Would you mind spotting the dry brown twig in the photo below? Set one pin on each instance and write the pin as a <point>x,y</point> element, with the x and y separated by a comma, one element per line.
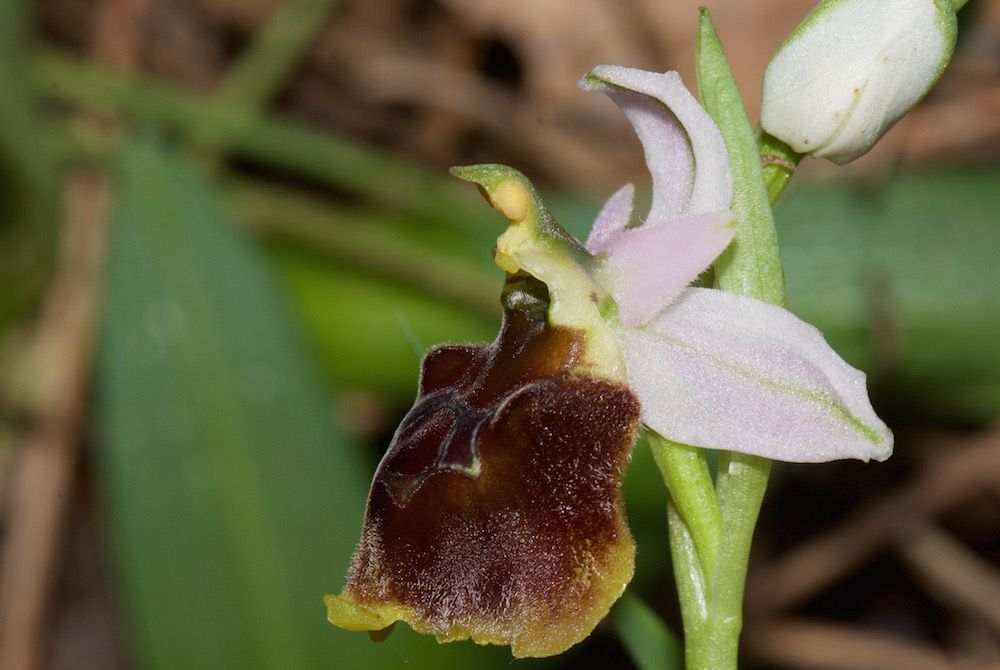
<point>815,645</point>
<point>818,563</point>
<point>566,158</point>
<point>951,572</point>
<point>42,482</point>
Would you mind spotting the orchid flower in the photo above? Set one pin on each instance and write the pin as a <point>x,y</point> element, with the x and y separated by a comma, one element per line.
<point>496,513</point>
<point>714,369</point>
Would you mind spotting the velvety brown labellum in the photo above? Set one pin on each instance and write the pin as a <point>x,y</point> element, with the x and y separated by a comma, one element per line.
<point>496,513</point>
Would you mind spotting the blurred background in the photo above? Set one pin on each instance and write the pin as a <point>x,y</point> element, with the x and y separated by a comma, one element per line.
<point>227,236</point>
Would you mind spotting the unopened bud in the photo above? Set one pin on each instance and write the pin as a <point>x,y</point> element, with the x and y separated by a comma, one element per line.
<point>852,69</point>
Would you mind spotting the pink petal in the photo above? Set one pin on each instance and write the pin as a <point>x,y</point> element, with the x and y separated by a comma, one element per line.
<point>612,219</point>
<point>724,371</point>
<point>668,154</point>
<point>648,267</point>
<point>655,103</point>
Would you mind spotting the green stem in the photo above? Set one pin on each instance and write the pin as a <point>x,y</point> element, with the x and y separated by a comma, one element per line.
<point>741,483</point>
<point>713,641</point>
<point>778,163</point>
<point>275,51</point>
<point>711,529</point>
<point>691,579</point>
<point>692,493</point>
<point>711,598</point>
<point>712,638</point>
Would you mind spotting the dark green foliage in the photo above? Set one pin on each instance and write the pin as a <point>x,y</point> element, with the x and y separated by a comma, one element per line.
<point>233,502</point>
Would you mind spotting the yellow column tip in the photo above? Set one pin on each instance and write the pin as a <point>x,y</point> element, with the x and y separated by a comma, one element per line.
<point>512,199</point>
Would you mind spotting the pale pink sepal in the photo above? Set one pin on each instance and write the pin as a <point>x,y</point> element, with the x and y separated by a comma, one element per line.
<point>612,219</point>
<point>666,148</point>
<point>647,267</point>
<point>728,372</point>
<point>655,103</point>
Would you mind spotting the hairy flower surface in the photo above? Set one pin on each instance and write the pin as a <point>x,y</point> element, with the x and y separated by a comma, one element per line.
<point>496,514</point>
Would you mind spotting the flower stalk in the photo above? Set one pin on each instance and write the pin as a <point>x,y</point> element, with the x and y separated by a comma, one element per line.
<point>711,525</point>
<point>778,163</point>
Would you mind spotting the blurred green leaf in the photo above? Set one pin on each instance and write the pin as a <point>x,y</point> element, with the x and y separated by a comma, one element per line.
<point>650,643</point>
<point>646,503</point>
<point>275,50</point>
<point>904,281</point>
<point>233,503</point>
<point>28,194</point>
<point>228,127</point>
<point>391,325</point>
<point>379,246</point>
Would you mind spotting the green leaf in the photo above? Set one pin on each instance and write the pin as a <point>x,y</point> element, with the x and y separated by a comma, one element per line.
<point>399,322</point>
<point>275,50</point>
<point>650,643</point>
<point>751,265</point>
<point>28,193</point>
<point>379,246</point>
<point>227,127</point>
<point>903,281</point>
<point>233,502</point>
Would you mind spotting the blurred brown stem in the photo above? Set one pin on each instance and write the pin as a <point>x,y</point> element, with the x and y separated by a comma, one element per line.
<point>953,573</point>
<point>815,564</point>
<point>43,481</point>
<point>817,645</point>
<point>43,474</point>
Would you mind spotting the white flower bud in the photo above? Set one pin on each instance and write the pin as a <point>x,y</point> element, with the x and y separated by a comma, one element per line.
<point>852,69</point>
